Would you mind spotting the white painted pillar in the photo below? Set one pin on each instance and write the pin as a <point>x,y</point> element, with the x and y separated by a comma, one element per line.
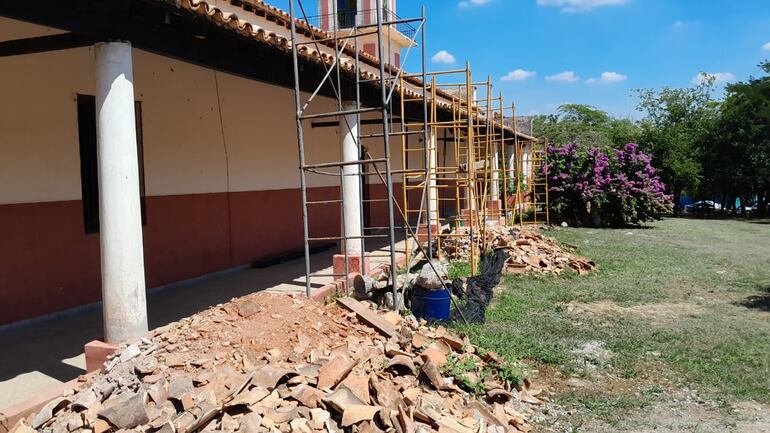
<point>433,195</point>
<point>511,163</point>
<point>526,165</point>
<point>120,220</point>
<point>494,190</point>
<point>351,200</point>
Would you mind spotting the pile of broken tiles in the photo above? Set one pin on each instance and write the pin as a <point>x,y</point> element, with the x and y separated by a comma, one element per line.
<point>529,251</point>
<point>385,378</point>
<point>532,252</point>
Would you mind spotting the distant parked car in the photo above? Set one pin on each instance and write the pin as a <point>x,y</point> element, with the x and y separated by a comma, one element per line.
<point>703,206</point>
<point>750,210</point>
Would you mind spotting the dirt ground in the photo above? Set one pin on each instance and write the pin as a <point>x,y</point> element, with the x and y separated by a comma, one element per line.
<point>658,314</point>
<point>664,403</point>
<point>655,403</point>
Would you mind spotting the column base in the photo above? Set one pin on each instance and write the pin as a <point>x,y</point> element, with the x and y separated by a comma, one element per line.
<point>422,231</point>
<point>96,353</point>
<point>494,208</point>
<point>356,264</point>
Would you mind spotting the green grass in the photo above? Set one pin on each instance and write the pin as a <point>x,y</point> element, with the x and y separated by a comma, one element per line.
<point>458,269</point>
<point>709,266</point>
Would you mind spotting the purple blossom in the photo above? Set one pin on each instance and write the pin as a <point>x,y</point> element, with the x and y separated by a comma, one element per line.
<point>620,183</point>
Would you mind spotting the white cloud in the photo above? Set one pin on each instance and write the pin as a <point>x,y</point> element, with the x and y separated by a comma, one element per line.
<point>719,77</point>
<point>608,78</point>
<point>766,47</point>
<point>574,6</point>
<point>443,57</point>
<point>518,75</point>
<point>678,24</point>
<point>469,3</point>
<point>566,76</point>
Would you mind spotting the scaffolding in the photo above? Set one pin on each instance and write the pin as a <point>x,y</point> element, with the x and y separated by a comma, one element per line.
<point>336,49</point>
<point>532,201</point>
<point>464,187</point>
<point>525,184</point>
<point>451,132</point>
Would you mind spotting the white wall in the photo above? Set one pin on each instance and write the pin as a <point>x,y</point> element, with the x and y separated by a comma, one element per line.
<point>187,145</point>
<point>189,148</point>
<point>39,154</point>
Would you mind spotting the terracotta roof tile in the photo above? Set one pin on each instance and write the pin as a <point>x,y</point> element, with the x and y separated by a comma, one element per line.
<point>262,11</point>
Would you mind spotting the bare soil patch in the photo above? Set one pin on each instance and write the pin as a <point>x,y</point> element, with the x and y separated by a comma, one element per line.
<point>657,401</point>
<point>657,313</point>
<point>681,413</point>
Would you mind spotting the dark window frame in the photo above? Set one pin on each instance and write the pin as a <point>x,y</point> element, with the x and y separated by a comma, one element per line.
<point>89,168</point>
<point>347,10</point>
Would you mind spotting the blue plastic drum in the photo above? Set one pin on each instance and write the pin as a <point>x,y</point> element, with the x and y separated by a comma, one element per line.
<point>431,305</point>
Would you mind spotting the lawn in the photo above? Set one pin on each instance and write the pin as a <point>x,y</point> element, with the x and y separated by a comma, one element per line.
<point>680,303</point>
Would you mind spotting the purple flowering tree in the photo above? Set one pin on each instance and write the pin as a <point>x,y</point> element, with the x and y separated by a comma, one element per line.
<point>593,186</point>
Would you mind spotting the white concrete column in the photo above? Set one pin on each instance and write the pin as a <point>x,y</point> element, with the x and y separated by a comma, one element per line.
<point>526,163</point>
<point>351,200</point>
<point>433,204</point>
<point>120,221</point>
<point>494,190</point>
<point>511,155</point>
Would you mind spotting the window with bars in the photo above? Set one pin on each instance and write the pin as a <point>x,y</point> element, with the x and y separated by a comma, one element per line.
<point>89,168</point>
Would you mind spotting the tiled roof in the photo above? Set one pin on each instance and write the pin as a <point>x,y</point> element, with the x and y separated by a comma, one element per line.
<point>369,69</point>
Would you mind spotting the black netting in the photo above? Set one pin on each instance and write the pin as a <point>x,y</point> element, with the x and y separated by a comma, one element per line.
<point>479,289</point>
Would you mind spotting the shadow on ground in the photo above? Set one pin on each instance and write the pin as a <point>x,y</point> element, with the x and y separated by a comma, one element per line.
<point>757,302</point>
<point>43,345</point>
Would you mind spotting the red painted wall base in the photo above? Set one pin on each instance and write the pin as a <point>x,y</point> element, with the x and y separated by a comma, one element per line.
<point>48,263</point>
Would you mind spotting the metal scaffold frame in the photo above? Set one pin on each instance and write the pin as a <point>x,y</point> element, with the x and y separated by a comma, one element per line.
<point>482,186</point>
<point>465,182</point>
<point>525,184</point>
<point>532,204</point>
<point>382,168</point>
<point>474,183</point>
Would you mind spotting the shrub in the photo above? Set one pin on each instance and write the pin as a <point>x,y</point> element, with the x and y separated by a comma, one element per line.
<point>599,186</point>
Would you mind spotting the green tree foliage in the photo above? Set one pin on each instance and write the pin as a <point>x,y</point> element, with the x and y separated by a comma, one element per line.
<point>596,175</point>
<point>587,125</point>
<point>736,155</point>
<point>699,146</point>
<point>677,123</point>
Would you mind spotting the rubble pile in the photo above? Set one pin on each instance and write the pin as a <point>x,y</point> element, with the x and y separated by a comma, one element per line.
<point>532,252</point>
<point>529,251</point>
<point>270,363</point>
<point>458,247</point>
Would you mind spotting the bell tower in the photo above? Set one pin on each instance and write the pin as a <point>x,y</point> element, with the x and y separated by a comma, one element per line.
<point>345,15</point>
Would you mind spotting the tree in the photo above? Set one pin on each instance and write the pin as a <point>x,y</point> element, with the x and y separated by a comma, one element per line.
<point>738,158</point>
<point>678,122</point>
<point>585,124</point>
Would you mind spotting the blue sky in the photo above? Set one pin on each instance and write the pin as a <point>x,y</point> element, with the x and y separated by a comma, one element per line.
<point>592,51</point>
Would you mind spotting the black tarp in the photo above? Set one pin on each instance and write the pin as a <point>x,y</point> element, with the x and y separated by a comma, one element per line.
<point>478,290</point>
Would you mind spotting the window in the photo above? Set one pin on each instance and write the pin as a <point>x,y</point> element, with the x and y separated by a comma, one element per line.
<point>370,49</point>
<point>346,13</point>
<point>89,169</point>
